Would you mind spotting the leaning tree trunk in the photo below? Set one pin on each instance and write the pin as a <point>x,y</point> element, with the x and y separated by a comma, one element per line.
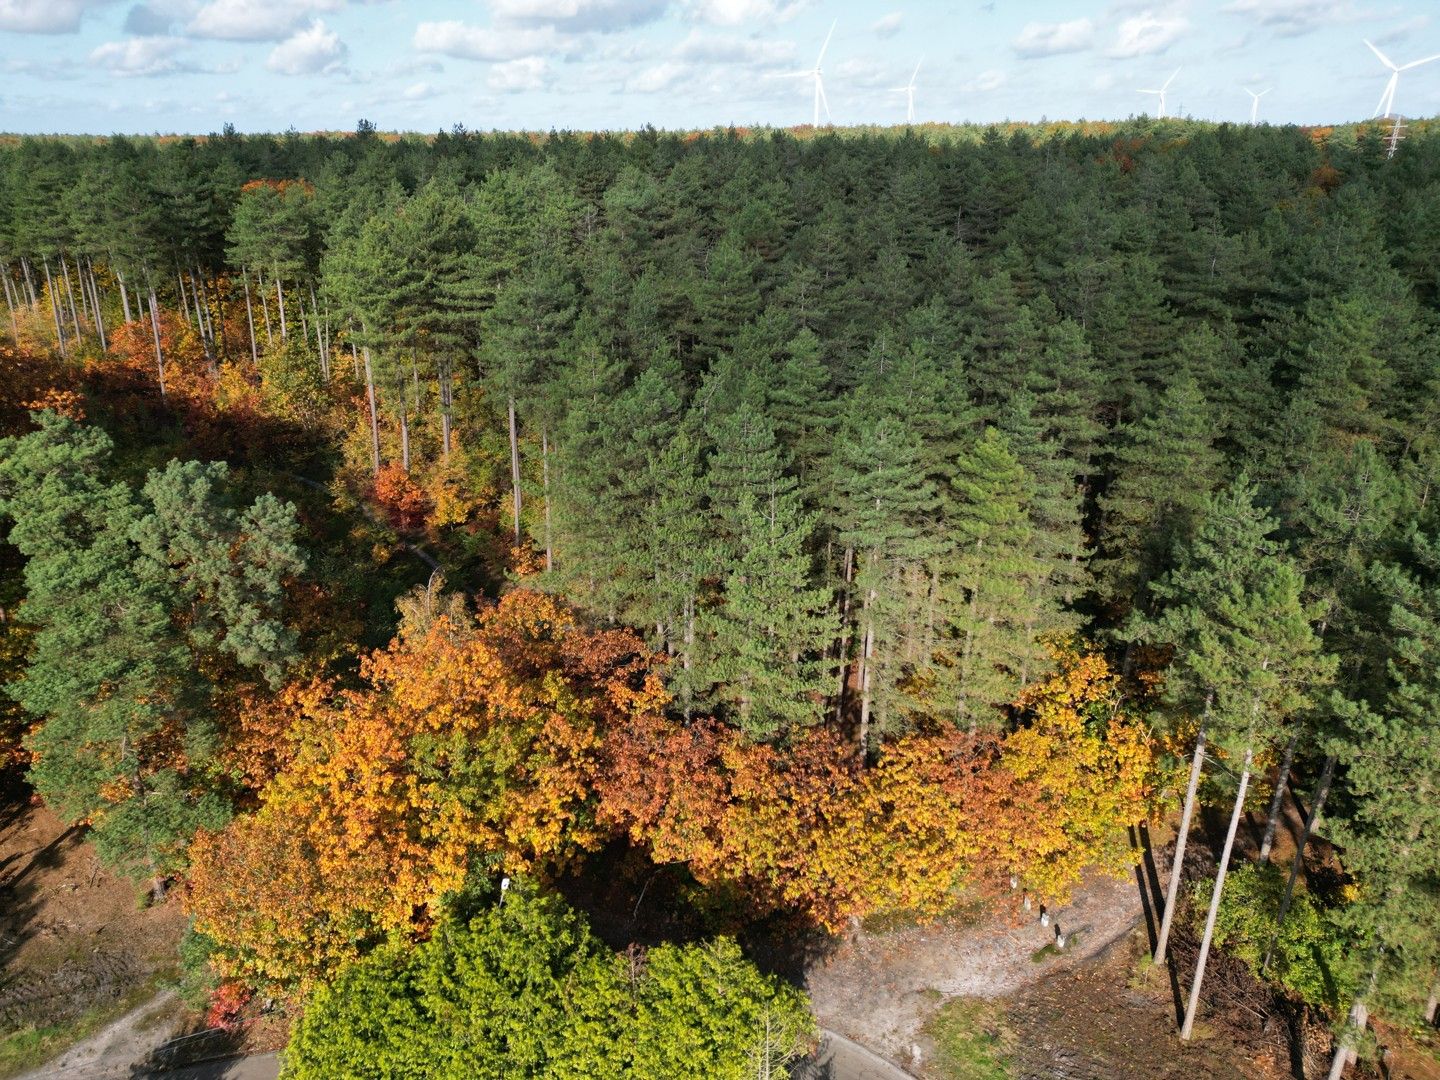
<point>250,317</point>
<point>841,655</point>
<point>1355,1022</point>
<point>1322,789</point>
<point>95,301</point>
<point>280,303</point>
<point>374,419</point>
<point>867,661</point>
<point>155,329</point>
<point>1277,798</point>
<point>1182,838</point>
<point>70,294</point>
<point>1221,869</point>
<point>54,306</point>
<point>515,468</point>
<point>125,297</point>
<point>545,488</point>
<point>10,307</point>
<point>264,309</point>
<point>29,281</point>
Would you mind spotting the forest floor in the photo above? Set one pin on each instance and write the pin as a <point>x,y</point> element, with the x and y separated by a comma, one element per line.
<point>78,945</point>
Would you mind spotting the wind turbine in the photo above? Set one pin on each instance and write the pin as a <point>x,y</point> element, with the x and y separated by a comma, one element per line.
<point>1387,96</point>
<point>1255,102</point>
<point>815,73</point>
<point>909,91</point>
<point>1160,106</point>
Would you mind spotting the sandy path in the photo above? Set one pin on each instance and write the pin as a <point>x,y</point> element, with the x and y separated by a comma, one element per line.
<point>115,1049</point>
<point>879,989</point>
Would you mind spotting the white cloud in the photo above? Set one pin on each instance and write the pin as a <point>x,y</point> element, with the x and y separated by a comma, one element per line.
<point>738,12</point>
<point>312,51</point>
<point>42,16</point>
<point>1052,39</point>
<point>1292,18</point>
<point>605,16</point>
<point>710,47</point>
<point>254,20</point>
<point>862,71</point>
<point>516,76</point>
<point>1147,34</point>
<point>469,42</point>
<point>984,83</point>
<point>139,56</point>
<point>654,79</point>
<point>887,25</point>
<point>420,91</point>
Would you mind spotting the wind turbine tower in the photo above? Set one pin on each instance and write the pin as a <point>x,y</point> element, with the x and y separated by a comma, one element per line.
<point>1160,105</point>
<point>817,75</point>
<point>1387,96</point>
<point>909,91</point>
<point>1255,103</point>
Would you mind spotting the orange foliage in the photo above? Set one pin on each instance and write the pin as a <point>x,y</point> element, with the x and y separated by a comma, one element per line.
<point>404,503</point>
<point>66,403</point>
<point>466,741</point>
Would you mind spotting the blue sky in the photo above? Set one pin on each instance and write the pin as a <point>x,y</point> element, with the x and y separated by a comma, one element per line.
<point>192,65</point>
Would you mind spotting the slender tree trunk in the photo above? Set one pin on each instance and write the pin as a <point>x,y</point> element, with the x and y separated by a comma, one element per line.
<point>545,488</point>
<point>265,310</point>
<point>1355,1023</point>
<point>250,317</point>
<point>354,361</point>
<point>867,659</point>
<point>70,295</point>
<point>304,322</point>
<point>184,299</point>
<point>84,296</point>
<point>95,297</point>
<point>124,297</point>
<point>280,303</point>
<point>1317,804</point>
<point>10,307</point>
<point>1221,869</point>
<point>1277,798</point>
<point>155,329</point>
<point>515,468</point>
<point>404,433</point>
<point>446,401</point>
<point>54,306</point>
<point>320,343</point>
<point>29,281</point>
<point>842,656</point>
<point>1182,837</point>
<point>374,418</point>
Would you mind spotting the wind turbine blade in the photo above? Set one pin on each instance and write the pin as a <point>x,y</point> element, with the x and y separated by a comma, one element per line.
<point>1171,79</point>
<point>1265,91</point>
<point>919,62</point>
<point>1386,96</point>
<point>1383,58</point>
<point>828,36</point>
<point>1417,63</point>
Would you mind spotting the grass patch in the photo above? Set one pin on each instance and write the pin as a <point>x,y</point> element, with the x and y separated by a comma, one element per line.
<point>971,1040</point>
<point>32,1046</point>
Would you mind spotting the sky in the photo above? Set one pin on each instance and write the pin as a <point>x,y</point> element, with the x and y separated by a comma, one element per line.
<point>106,66</point>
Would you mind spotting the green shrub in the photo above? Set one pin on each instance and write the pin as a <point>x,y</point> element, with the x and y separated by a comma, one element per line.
<point>1310,950</point>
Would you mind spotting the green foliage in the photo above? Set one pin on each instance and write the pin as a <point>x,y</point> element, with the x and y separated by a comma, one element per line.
<point>971,1040</point>
<point>524,990</point>
<point>1312,950</point>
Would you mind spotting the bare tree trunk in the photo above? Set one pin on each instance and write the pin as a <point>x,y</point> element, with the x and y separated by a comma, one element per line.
<point>1317,804</point>
<point>155,329</point>
<point>515,468</point>
<point>184,300</point>
<point>280,303</point>
<point>320,343</point>
<point>29,281</point>
<point>70,294</point>
<point>1432,1003</point>
<point>404,433</point>
<point>95,298</point>
<point>545,487</point>
<point>1221,869</point>
<point>374,419</point>
<point>1182,837</point>
<point>84,296</point>
<point>54,306</point>
<point>1355,1023</point>
<point>10,307</point>
<point>867,659</point>
<point>264,309</point>
<point>446,401</point>
<point>124,297</point>
<point>250,317</point>
<point>1277,799</point>
<point>841,657</point>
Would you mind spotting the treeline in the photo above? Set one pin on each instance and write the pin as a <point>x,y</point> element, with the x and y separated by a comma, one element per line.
<point>857,431</point>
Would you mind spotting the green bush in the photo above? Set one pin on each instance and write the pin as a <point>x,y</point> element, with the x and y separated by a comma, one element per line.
<point>1310,951</point>
<point>524,990</point>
